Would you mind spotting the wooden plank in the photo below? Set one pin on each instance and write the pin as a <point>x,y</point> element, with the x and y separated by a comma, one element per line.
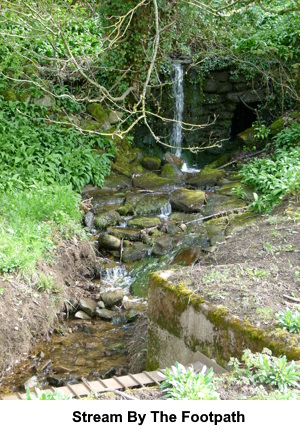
<point>128,381</point>
<point>112,384</point>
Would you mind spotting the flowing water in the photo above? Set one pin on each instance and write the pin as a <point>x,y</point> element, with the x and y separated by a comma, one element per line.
<point>178,94</point>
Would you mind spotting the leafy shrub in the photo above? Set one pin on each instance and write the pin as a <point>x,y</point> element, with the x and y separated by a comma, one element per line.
<point>56,395</point>
<point>33,152</point>
<point>273,177</point>
<point>289,320</point>
<point>263,368</point>
<point>182,383</point>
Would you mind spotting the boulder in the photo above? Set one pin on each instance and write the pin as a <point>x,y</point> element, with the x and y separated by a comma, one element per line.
<point>136,252</point>
<point>150,204</point>
<point>189,256</point>
<point>114,116</point>
<point>109,242</point>
<point>163,245</point>
<point>151,163</point>
<point>151,181</point>
<point>125,233</point>
<point>172,172</point>
<point>218,203</point>
<point>173,159</point>
<point>104,219</point>
<point>144,222</point>
<point>89,220</point>
<point>112,298</point>
<point>99,114</point>
<point>187,200</point>
<point>88,306</point>
<point>206,178</point>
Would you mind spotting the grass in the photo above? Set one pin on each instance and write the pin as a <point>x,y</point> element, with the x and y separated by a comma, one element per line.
<point>32,221</point>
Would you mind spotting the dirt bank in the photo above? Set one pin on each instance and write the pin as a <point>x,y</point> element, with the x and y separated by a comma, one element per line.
<point>30,306</point>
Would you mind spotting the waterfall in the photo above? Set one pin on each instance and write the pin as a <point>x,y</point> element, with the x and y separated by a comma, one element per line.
<point>178,95</point>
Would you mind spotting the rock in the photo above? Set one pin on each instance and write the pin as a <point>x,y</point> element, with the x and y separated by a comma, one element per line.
<point>172,172</point>
<point>238,222</point>
<point>107,241</point>
<point>218,203</point>
<point>215,229</point>
<point>80,361</point>
<point>89,220</point>
<point>150,204</point>
<point>246,138</point>
<point>82,315</point>
<point>105,314</point>
<point>9,95</point>
<point>206,178</point>
<point>116,181</point>
<point>104,219</point>
<point>144,222</point>
<point>187,200</point>
<point>125,233</point>
<point>186,257</point>
<point>31,383</point>
<point>55,381</point>
<point>90,125</point>
<point>88,306</point>
<point>98,113</point>
<point>114,116</point>
<point>277,126</point>
<point>151,181</point>
<point>135,252</point>
<point>112,298</point>
<point>163,245</point>
<point>151,163</point>
<point>132,315</point>
<point>173,159</point>
<point>100,304</point>
<point>46,101</point>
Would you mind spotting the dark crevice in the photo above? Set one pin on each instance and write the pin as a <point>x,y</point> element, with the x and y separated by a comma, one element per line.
<point>243,118</point>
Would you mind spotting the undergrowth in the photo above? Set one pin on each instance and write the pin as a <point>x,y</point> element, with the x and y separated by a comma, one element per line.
<point>32,220</point>
<point>274,176</point>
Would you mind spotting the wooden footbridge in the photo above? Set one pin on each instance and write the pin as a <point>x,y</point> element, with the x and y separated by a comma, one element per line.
<point>116,384</point>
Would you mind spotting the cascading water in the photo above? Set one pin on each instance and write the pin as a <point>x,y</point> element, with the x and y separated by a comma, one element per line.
<point>178,95</point>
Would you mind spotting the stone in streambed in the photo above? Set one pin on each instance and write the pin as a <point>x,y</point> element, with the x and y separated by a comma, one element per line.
<point>172,172</point>
<point>206,178</point>
<point>137,251</point>
<point>82,315</point>
<point>186,257</point>
<point>132,315</point>
<point>109,242</point>
<point>125,233</point>
<point>151,181</point>
<point>105,314</point>
<point>144,222</point>
<point>173,159</point>
<point>187,200</point>
<point>112,298</point>
<point>88,306</point>
<point>151,163</point>
<point>104,219</point>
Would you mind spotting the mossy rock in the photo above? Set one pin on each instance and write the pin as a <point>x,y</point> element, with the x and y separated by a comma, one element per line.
<point>9,95</point>
<point>125,233</point>
<point>186,200</point>
<point>277,126</point>
<point>117,181</point>
<point>236,189</point>
<point>246,138</point>
<point>218,203</point>
<point>104,219</point>
<point>144,222</point>
<point>215,229</point>
<point>187,257</point>
<point>172,159</point>
<point>238,222</point>
<point>220,161</point>
<point>90,125</point>
<point>126,209</point>
<point>151,181</point>
<point>107,241</point>
<point>97,112</point>
<point>150,204</point>
<point>172,172</point>
<point>151,163</point>
<point>136,252</point>
<point>206,178</point>
<point>163,245</point>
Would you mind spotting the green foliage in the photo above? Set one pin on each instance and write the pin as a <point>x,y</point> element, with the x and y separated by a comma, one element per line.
<point>261,131</point>
<point>56,395</point>
<point>182,383</point>
<point>31,219</point>
<point>289,320</point>
<point>263,368</point>
<point>272,177</point>
<point>32,151</point>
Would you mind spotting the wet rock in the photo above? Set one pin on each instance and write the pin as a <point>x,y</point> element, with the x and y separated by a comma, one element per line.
<point>173,159</point>
<point>246,138</point>
<point>173,229</point>
<point>116,181</point>
<point>105,314</point>
<point>187,200</point>
<point>82,315</point>
<point>186,257</point>
<point>125,233</point>
<point>136,252</point>
<point>112,298</point>
<point>107,241</point>
<point>150,204</point>
<point>132,315</point>
<point>151,181</point>
<point>172,172</point>
<point>151,163</point>
<point>163,245</point>
<point>61,369</point>
<point>55,381</point>
<point>108,373</point>
<point>89,220</point>
<point>104,219</point>
<point>100,304</point>
<point>206,178</point>
<point>144,222</point>
<point>31,383</point>
<point>88,306</point>
<point>218,203</point>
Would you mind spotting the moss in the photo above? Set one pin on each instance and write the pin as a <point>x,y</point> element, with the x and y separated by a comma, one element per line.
<point>277,126</point>
<point>97,112</point>
<point>207,178</point>
<point>9,95</point>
